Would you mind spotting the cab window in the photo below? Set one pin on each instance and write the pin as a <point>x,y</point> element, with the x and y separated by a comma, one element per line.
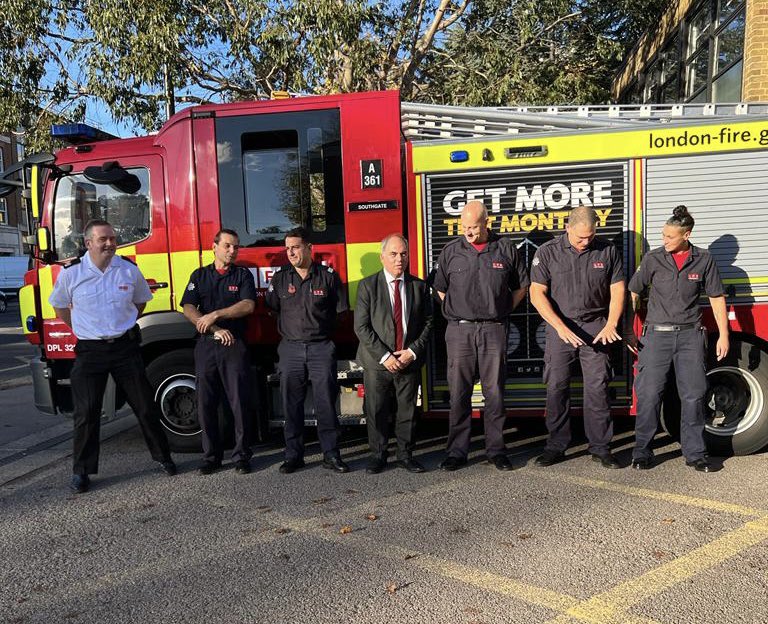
<point>78,200</point>
<point>279,171</point>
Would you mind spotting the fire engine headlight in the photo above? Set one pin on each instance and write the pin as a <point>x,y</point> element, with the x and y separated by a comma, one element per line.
<point>31,324</point>
<point>460,156</point>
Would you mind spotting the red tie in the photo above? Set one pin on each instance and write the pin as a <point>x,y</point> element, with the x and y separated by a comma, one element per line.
<point>398,314</point>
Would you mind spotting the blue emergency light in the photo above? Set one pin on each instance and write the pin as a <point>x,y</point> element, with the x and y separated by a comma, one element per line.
<point>460,156</point>
<point>77,133</point>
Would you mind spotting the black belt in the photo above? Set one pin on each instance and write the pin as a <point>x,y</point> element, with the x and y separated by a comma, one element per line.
<point>126,336</point>
<point>673,328</point>
<point>484,322</point>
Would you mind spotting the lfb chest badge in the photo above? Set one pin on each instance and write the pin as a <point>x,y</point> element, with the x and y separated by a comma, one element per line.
<point>693,277</point>
<point>291,289</point>
<point>318,292</point>
<point>598,265</point>
<point>233,288</point>
<point>498,265</point>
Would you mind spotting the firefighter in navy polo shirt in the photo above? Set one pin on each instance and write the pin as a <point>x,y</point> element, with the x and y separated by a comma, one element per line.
<point>577,286</point>
<point>480,279</point>
<point>100,297</point>
<point>217,301</point>
<point>306,297</point>
<point>678,273</point>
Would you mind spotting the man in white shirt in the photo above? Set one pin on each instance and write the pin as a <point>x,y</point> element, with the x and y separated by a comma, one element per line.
<point>100,296</point>
<point>393,318</point>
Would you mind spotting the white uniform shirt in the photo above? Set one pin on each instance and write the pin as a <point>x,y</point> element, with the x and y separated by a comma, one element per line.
<point>391,290</point>
<point>103,304</point>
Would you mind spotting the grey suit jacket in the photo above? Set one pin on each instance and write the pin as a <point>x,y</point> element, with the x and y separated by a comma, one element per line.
<point>374,324</point>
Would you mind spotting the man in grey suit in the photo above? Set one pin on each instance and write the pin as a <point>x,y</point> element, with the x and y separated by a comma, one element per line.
<point>393,318</point>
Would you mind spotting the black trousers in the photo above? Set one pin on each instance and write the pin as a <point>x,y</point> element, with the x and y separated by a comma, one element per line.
<point>223,372</point>
<point>686,349</point>
<point>474,350</point>
<point>383,391</point>
<point>299,363</point>
<point>94,362</point>
<point>559,357</point>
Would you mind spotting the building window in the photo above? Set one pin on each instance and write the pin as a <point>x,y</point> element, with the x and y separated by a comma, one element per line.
<point>702,61</point>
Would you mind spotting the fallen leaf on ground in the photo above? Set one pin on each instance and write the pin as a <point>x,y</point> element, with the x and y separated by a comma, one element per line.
<point>659,554</point>
<point>508,544</point>
<point>667,520</point>
<point>372,517</point>
<point>322,500</point>
<point>345,529</point>
<point>410,556</point>
<point>525,536</point>
<point>282,531</point>
<point>391,588</point>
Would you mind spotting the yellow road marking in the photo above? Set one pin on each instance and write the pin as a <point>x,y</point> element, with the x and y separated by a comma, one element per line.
<point>611,606</point>
<point>670,497</point>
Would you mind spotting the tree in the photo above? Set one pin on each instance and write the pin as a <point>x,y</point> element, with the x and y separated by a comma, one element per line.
<point>136,56</point>
<point>537,51</point>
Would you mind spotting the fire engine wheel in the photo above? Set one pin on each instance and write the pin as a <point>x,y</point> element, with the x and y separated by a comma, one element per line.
<point>172,377</point>
<point>736,403</point>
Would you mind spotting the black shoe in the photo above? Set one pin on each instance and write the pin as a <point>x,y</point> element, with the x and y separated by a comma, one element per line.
<point>334,462</point>
<point>209,467</point>
<point>700,465</point>
<point>376,465</point>
<point>291,465</point>
<point>607,460</point>
<point>549,458</point>
<point>642,464</point>
<point>80,483</point>
<point>243,466</point>
<point>411,465</point>
<point>501,462</point>
<point>453,463</point>
<point>168,467</point>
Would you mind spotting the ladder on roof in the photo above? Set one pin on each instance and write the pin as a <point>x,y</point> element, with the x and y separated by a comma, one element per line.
<point>433,121</point>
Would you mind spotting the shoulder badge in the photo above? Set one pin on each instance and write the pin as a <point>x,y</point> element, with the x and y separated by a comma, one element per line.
<point>330,269</point>
<point>536,261</point>
<point>191,286</point>
<point>72,263</point>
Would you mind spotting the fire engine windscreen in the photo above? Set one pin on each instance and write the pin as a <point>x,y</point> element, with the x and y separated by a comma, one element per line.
<point>78,200</point>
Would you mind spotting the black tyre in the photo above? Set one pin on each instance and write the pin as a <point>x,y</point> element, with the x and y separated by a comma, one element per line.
<point>736,402</point>
<point>172,377</point>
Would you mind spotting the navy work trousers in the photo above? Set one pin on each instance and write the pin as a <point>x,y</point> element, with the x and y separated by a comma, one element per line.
<point>314,362</point>
<point>94,362</point>
<point>559,357</point>
<point>223,372</point>
<point>476,350</point>
<point>686,349</point>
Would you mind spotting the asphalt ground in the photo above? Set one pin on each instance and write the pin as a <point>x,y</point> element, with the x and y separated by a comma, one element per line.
<point>15,351</point>
<point>570,543</point>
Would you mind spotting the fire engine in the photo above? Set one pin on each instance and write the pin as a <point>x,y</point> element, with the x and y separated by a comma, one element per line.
<point>352,168</point>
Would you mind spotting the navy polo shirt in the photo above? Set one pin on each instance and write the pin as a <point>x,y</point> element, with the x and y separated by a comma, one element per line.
<point>208,290</point>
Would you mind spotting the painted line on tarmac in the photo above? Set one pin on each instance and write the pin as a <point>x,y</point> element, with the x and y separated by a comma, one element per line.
<point>486,581</point>
<point>612,605</point>
<point>669,497</point>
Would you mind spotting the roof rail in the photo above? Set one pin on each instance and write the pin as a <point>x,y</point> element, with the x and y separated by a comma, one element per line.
<point>431,121</point>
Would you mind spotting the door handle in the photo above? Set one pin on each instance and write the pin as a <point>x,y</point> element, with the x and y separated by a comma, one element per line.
<point>155,285</point>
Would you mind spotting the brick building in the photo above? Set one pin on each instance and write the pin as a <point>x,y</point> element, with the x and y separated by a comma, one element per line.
<point>702,51</point>
<point>13,220</point>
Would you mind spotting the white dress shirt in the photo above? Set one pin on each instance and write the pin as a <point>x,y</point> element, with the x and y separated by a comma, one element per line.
<point>103,303</point>
<point>391,289</point>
